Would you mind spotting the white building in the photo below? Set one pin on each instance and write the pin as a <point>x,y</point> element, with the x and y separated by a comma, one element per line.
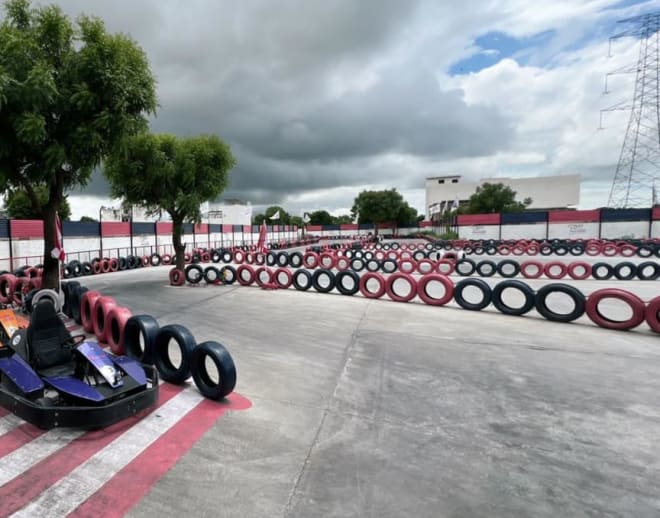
<point>229,212</point>
<point>546,192</point>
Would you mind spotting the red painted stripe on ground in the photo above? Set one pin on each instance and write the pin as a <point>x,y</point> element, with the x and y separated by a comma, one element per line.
<point>22,490</point>
<point>135,480</point>
<point>19,436</point>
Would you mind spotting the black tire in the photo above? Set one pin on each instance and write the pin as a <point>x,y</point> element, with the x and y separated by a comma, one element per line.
<point>318,274</point>
<point>373,265</point>
<point>224,364</point>
<point>418,255</point>
<point>75,267</point>
<point>578,297</point>
<point>139,338</point>
<point>491,250</point>
<point>620,271</point>
<point>295,260</point>
<point>194,273</point>
<point>215,256</point>
<point>306,284</point>
<point>228,274</point>
<point>87,268</point>
<point>211,275</point>
<point>598,268</point>
<point>486,268</point>
<point>652,276</point>
<point>75,298</point>
<point>389,266</point>
<point>155,260</point>
<point>508,262</point>
<point>271,258</point>
<point>644,250</point>
<point>576,249</point>
<point>186,342</point>
<point>283,259</point>
<point>477,283</point>
<point>123,263</point>
<point>465,267</point>
<point>528,293</point>
<point>226,256</point>
<point>67,290</point>
<point>339,282</point>
<point>357,264</point>
<point>561,250</point>
<point>546,250</point>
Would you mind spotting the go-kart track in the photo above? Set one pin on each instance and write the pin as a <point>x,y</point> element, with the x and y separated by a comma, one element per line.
<point>349,406</point>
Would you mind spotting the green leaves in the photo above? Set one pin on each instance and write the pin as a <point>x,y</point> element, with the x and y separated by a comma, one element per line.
<point>494,197</point>
<point>383,207</point>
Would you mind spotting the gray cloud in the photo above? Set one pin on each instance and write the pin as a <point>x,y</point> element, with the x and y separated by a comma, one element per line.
<point>318,95</point>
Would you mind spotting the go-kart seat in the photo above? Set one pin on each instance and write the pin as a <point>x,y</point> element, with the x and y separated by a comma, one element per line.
<point>49,342</point>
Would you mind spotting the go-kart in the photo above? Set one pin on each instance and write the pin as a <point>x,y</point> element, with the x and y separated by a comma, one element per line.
<point>10,322</point>
<point>52,379</point>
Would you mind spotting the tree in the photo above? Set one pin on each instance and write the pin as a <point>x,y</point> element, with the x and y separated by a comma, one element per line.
<point>343,219</point>
<point>297,221</point>
<point>69,95</point>
<point>88,219</point>
<point>494,197</point>
<point>321,217</point>
<point>19,205</point>
<point>176,175</point>
<point>378,207</point>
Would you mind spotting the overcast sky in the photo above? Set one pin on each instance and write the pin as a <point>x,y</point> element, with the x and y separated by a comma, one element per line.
<point>322,99</point>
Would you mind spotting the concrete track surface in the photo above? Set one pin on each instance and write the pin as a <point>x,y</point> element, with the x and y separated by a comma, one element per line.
<point>374,408</point>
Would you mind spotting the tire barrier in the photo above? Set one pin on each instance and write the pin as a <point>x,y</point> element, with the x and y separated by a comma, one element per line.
<point>302,280</point>
<point>263,277</point>
<point>139,337</point>
<point>634,302</point>
<point>212,275</point>
<point>223,380</point>
<point>423,285</point>
<point>283,278</point>
<point>648,271</point>
<point>172,352</point>
<point>347,282</point>
<point>652,314</point>
<point>87,303</point>
<point>392,293</point>
<point>116,326</point>
<point>365,289</point>
<point>482,286</point>
<point>323,281</point>
<point>578,298</point>
<point>503,307</point>
<point>100,312</point>
<point>245,275</point>
<point>177,277</point>
<point>194,273</point>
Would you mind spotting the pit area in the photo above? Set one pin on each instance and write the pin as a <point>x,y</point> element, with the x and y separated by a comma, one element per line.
<point>362,407</point>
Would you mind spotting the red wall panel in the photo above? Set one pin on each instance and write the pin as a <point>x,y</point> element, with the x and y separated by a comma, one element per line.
<point>26,228</point>
<point>574,216</point>
<point>465,220</point>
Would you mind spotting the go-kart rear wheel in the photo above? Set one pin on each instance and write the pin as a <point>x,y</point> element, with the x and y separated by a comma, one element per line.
<point>172,351</point>
<point>213,370</point>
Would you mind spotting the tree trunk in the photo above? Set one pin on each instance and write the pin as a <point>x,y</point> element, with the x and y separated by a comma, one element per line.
<point>51,274</point>
<point>179,247</point>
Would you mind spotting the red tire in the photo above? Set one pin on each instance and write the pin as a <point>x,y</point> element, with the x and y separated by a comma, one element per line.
<point>115,324</point>
<point>187,258</point>
<point>593,249</point>
<point>503,250</point>
<point>407,266</point>
<point>166,259</point>
<point>627,250</point>
<point>548,267</point>
<point>395,296</point>
<point>259,272</point>
<point>327,260</point>
<point>652,314</point>
<point>239,256</point>
<point>532,249</point>
<point>425,266</point>
<point>635,303</point>
<point>7,283</point>
<point>245,275</point>
<point>114,264</point>
<point>105,265</point>
<point>259,259</point>
<point>526,265</point>
<point>445,267</point>
<point>21,288</point>
<point>283,273</point>
<point>579,276</point>
<point>100,312</point>
<point>177,277</point>
<point>610,249</point>
<point>310,260</point>
<point>519,249</point>
<point>146,260</point>
<point>343,263</point>
<point>372,294</point>
<point>206,257</point>
<point>431,301</point>
<point>87,303</point>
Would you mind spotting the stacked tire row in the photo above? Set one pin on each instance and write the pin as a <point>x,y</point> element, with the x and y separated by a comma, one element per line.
<point>374,285</point>
<point>593,247</point>
<point>576,270</point>
<point>141,337</point>
<point>15,287</point>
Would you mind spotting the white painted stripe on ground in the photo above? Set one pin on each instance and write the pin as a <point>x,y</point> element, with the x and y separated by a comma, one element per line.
<point>23,458</point>
<point>9,422</point>
<point>71,491</point>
